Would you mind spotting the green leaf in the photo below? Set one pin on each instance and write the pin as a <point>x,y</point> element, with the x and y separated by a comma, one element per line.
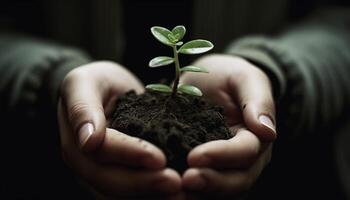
<point>162,35</point>
<point>189,89</point>
<point>191,68</point>
<point>196,47</point>
<point>179,43</point>
<point>159,88</point>
<point>160,61</point>
<point>172,38</point>
<point>179,32</point>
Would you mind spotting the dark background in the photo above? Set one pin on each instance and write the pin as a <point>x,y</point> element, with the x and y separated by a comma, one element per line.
<point>34,170</point>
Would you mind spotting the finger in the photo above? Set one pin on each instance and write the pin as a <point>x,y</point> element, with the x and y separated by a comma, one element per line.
<point>131,151</point>
<point>124,182</point>
<point>114,180</point>
<point>224,183</point>
<point>238,152</point>
<point>256,101</point>
<point>210,181</point>
<point>220,97</point>
<point>117,80</point>
<point>232,112</point>
<point>175,196</point>
<point>82,100</point>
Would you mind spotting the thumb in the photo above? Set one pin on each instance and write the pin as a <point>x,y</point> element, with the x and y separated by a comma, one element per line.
<point>253,93</point>
<point>85,113</point>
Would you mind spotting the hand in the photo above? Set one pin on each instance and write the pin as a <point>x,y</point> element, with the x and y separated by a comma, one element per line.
<point>230,167</point>
<point>105,158</point>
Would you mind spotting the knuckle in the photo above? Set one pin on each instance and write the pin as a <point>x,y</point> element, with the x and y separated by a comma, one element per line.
<point>76,110</point>
<point>265,103</point>
<point>79,109</point>
<point>72,75</point>
<point>76,75</point>
<point>268,105</point>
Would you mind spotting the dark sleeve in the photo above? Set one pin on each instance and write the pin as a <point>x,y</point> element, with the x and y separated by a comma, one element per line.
<point>309,66</point>
<point>31,71</point>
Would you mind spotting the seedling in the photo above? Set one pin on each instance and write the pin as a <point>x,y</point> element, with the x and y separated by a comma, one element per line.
<point>173,39</point>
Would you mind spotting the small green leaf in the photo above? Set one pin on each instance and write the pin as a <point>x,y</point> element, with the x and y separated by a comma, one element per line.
<point>179,43</point>
<point>160,61</point>
<point>179,32</point>
<point>196,47</point>
<point>159,88</point>
<point>162,35</point>
<point>172,38</point>
<point>191,68</point>
<point>189,89</point>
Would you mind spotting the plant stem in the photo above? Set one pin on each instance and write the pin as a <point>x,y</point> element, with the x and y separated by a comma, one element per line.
<point>177,70</point>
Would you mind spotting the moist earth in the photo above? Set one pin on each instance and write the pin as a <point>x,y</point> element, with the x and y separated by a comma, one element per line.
<point>174,124</point>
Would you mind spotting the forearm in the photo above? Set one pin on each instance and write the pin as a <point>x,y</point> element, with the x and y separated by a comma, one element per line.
<point>309,66</point>
<point>31,71</point>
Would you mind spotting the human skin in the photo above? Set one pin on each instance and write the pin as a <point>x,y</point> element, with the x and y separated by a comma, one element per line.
<point>230,167</point>
<point>106,158</point>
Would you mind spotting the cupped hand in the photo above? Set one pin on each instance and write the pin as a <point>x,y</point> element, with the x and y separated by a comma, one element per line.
<point>230,167</point>
<point>113,163</point>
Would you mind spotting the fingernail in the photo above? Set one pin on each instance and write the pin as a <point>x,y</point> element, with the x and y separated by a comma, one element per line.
<point>266,121</point>
<point>85,133</point>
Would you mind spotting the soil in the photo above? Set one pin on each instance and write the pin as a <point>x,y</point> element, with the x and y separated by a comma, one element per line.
<point>174,124</point>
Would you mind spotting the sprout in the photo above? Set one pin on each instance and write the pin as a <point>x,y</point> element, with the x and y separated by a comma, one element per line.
<point>173,39</point>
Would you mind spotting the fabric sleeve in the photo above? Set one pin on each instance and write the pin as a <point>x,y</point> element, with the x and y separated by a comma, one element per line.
<point>31,71</point>
<point>309,66</point>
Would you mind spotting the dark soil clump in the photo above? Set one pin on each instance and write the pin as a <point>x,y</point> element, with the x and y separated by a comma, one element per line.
<point>174,124</point>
